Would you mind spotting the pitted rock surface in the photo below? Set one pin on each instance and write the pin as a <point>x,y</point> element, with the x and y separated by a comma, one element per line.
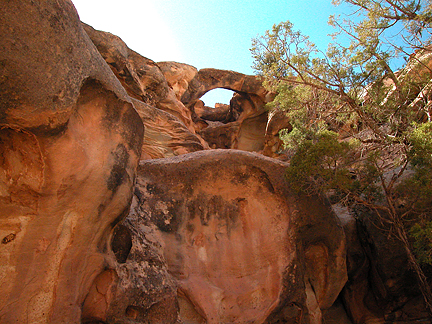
<point>240,246</point>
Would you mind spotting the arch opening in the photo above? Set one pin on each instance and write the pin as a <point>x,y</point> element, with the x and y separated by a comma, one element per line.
<point>217,96</point>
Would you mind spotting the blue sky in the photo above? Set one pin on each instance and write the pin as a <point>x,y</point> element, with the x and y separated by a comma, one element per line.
<point>205,33</point>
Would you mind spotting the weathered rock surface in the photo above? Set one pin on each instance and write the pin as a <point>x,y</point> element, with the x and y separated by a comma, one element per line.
<point>144,291</point>
<point>277,121</point>
<point>178,76</point>
<point>165,134</point>
<point>176,88</point>
<point>381,286</point>
<point>70,140</point>
<point>245,122</point>
<point>239,246</point>
<point>221,112</point>
<point>208,79</point>
<point>144,81</point>
<point>212,237</point>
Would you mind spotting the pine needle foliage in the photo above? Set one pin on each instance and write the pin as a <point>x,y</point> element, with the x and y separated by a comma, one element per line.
<point>361,115</point>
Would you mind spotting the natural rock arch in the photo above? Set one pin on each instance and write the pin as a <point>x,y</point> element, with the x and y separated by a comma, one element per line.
<point>243,124</point>
<point>209,79</point>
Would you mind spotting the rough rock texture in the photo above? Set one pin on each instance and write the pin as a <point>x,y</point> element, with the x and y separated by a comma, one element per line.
<point>208,79</point>
<point>336,314</point>
<point>239,246</point>
<point>144,291</point>
<point>69,142</point>
<point>178,76</point>
<point>145,82</point>
<point>176,88</point>
<point>277,121</point>
<point>220,112</point>
<point>208,237</point>
<point>165,134</point>
<point>245,122</point>
<point>381,287</point>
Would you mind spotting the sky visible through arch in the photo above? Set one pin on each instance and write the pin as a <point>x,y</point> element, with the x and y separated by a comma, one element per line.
<point>205,33</point>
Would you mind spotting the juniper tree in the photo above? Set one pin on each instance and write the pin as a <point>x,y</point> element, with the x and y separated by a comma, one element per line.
<point>360,91</point>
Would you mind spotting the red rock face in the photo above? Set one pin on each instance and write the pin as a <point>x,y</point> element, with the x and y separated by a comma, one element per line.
<point>234,239</point>
<point>208,237</point>
<point>70,142</point>
<point>178,76</point>
<point>244,124</point>
<point>143,80</point>
<point>233,251</point>
<point>171,91</point>
<point>184,126</point>
<point>165,134</point>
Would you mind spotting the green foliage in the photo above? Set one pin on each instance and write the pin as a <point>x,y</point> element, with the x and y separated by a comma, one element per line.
<point>357,78</point>
<point>285,54</point>
<point>416,189</point>
<point>422,235</point>
<point>385,28</point>
<point>324,164</point>
<point>320,164</point>
<point>352,91</point>
<point>421,145</point>
<point>309,111</point>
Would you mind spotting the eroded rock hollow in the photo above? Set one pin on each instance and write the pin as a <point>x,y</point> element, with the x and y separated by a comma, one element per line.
<point>70,140</point>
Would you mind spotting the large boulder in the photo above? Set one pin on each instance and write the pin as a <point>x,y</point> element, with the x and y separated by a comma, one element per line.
<point>230,243</point>
<point>70,141</point>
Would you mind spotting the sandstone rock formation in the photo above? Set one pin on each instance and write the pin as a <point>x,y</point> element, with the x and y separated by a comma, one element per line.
<point>165,134</point>
<point>178,76</point>
<point>70,140</point>
<point>101,222</point>
<point>238,245</point>
<point>244,124</point>
<point>176,88</point>
<point>144,81</point>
